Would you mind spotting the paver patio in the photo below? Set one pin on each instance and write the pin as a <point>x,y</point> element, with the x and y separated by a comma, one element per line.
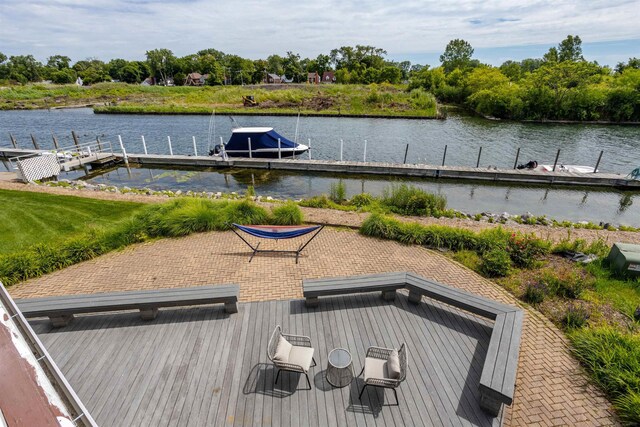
<point>551,388</point>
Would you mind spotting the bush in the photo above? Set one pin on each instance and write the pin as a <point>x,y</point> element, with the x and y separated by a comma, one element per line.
<point>381,226</point>
<point>524,249</point>
<point>319,202</point>
<point>534,293</point>
<point>361,200</point>
<point>575,317</point>
<point>566,282</point>
<point>409,200</point>
<point>612,359</point>
<point>469,259</point>
<point>287,214</point>
<point>338,192</point>
<point>495,263</point>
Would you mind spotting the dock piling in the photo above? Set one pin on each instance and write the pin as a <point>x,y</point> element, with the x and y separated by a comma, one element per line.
<point>364,158</point>
<point>35,143</point>
<point>195,147</point>
<point>250,154</point>
<point>555,162</point>
<point>75,139</point>
<point>406,150</point>
<point>13,141</point>
<point>341,147</point>
<point>55,141</point>
<point>97,141</point>
<point>515,164</point>
<point>309,151</point>
<point>444,156</point>
<point>479,154</point>
<point>170,147</point>
<point>598,162</point>
<point>144,145</point>
<point>279,149</point>
<point>124,152</point>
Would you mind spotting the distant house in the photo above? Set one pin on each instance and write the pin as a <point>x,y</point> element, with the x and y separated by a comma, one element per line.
<point>328,77</point>
<point>273,78</point>
<point>196,79</point>
<point>79,81</point>
<point>313,78</point>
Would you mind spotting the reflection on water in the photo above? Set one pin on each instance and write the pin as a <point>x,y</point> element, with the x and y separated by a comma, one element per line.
<point>557,202</point>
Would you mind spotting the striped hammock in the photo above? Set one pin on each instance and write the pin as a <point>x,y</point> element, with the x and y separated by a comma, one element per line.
<point>277,231</point>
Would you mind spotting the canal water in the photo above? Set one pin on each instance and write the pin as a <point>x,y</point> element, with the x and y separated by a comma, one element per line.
<point>386,141</point>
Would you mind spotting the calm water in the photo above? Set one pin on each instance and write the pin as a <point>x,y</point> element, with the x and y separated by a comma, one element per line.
<point>386,141</point>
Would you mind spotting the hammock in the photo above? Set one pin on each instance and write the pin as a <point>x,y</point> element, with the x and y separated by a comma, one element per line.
<point>276,232</point>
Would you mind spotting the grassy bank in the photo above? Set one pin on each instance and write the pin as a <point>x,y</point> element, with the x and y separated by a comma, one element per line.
<point>27,218</point>
<point>334,99</point>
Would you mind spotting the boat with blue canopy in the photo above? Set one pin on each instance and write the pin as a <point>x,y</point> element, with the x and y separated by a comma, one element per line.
<point>258,142</point>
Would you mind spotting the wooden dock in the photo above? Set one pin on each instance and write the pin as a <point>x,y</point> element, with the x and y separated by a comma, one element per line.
<point>513,176</point>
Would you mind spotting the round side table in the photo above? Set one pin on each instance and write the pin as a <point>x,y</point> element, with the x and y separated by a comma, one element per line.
<point>339,369</point>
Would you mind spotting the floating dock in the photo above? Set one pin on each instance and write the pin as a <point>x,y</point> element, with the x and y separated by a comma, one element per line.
<point>517,176</point>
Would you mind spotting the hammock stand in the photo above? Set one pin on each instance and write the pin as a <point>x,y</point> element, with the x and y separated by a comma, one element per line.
<point>276,232</point>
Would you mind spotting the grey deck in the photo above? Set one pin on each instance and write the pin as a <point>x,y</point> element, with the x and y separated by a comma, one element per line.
<point>200,366</point>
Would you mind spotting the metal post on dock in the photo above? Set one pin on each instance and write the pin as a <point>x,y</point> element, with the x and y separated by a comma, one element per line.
<point>598,162</point>
<point>555,162</point>
<point>515,164</point>
<point>195,147</point>
<point>444,156</point>
<point>250,154</point>
<point>170,148</point>
<point>341,148</point>
<point>97,141</point>
<point>55,141</point>
<point>364,157</point>
<point>35,143</point>
<point>479,154</point>
<point>309,151</point>
<point>124,152</point>
<point>406,150</point>
<point>75,139</point>
<point>13,141</point>
<point>144,145</point>
<point>279,149</point>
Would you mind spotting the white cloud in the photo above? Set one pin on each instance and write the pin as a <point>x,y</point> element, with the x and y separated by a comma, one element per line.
<point>252,28</point>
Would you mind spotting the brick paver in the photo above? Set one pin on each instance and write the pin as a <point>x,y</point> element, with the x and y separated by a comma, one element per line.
<point>551,387</point>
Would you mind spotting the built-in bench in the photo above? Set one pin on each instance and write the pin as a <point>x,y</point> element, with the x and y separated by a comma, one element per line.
<point>497,381</point>
<point>61,309</point>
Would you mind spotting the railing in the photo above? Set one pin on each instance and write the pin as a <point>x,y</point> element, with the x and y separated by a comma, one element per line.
<point>80,152</point>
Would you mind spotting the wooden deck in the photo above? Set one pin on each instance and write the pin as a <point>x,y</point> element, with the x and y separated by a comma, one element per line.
<point>201,366</point>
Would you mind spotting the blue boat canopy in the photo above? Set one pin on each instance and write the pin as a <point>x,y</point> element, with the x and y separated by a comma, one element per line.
<point>260,138</point>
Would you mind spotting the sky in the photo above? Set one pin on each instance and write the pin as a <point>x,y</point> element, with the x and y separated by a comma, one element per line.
<point>412,30</point>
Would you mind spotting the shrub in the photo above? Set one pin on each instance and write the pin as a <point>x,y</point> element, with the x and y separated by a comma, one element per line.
<point>575,317</point>
<point>495,263</point>
<point>524,249</point>
<point>361,200</point>
<point>251,191</point>
<point>338,192</point>
<point>409,200</point>
<point>535,293</point>
<point>246,212</point>
<point>287,214</point>
<point>320,202</point>
<point>380,226</point>
<point>566,282</point>
<point>612,359</point>
<point>469,259</point>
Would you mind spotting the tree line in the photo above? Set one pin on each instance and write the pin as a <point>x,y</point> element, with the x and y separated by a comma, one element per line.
<point>359,64</point>
<point>561,85</point>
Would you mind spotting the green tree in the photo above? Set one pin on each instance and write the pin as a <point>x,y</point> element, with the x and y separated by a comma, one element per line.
<point>58,62</point>
<point>390,74</point>
<point>92,70</point>
<point>64,76</point>
<point>292,67</point>
<point>485,78</point>
<point>621,66</point>
<point>551,55</point>
<point>161,63</point>
<point>570,49</point>
<point>457,54</point>
<point>24,68</point>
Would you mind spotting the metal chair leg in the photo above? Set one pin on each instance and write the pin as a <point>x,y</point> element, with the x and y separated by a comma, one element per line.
<point>396,395</point>
<point>362,391</point>
<point>361,371</point>
<point>308,382</point>
<point>277,376</point>
<point>314,362</point>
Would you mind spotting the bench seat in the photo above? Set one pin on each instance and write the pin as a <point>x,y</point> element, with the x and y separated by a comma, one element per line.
<point>497,382</point>
<point>61,309</point>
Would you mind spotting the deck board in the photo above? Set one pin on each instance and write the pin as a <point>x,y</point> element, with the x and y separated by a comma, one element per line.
<point>200,366</point>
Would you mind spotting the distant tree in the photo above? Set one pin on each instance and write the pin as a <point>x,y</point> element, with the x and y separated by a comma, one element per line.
<point>24,68</point>
<point>511,69</point>
<point>390,74</point>
<point>292,67</point>
<point>621,66</point>
<point>58,62</point>
<point>485,78</point>
<point>92,70</point>
<point>161,63</point>
<point>551,55</point>
<point>3,57</point>
<point>570,49</point>
<point>457,54</point>
<point>274,65</point>
<point>64,76</point>
<point>115,67</point>
<point>529,65</point>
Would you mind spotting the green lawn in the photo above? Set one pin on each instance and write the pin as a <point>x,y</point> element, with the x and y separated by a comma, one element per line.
<point>27,218</point>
